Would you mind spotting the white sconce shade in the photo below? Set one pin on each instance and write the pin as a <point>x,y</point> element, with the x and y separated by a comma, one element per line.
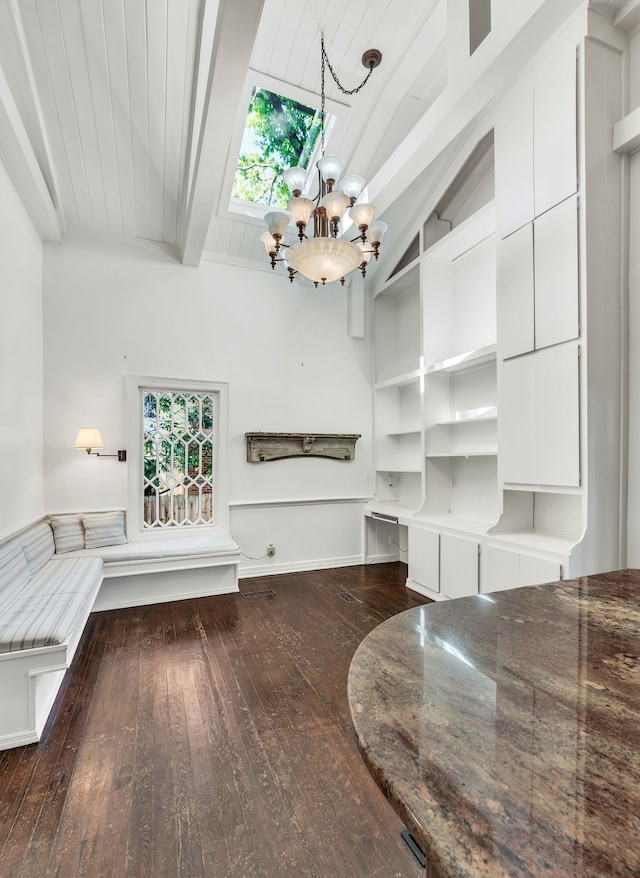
<point>295,178</point>
<point>376,231</point>
<point>331,166</point>
<point>277,222</point>
<point>269,242</point>
<point>300,208</point>
<point>352,185</point>
<point>335,203</point>
<point>88,438</point>
<point>362,214</point>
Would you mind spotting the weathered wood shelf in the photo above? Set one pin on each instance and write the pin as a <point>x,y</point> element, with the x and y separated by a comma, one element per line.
<point>276,446</point>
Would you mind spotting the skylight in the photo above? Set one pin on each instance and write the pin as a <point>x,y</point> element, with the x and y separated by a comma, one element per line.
<point>279,133</point>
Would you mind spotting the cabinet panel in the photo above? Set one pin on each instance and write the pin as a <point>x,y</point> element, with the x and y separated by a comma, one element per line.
<point>556,274</point>
<point>514,160</point>
<point>534,571</point>
<point>539,426</point>
<point>424,557</point>
<point>516,424</point>
<point>499,569</point>
<point>554,130</point>
<point>505,568</point>
<point>458,566</point>
<point>516,293</point>
<point>557,421</point>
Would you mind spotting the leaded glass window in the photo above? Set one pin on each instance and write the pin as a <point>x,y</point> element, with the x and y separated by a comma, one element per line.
<point>177,451</point>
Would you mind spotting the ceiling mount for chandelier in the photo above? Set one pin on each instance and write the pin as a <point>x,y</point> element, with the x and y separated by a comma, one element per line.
<point>325,257</point>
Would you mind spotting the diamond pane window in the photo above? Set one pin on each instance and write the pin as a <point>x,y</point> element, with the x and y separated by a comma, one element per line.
<point>177,451</point>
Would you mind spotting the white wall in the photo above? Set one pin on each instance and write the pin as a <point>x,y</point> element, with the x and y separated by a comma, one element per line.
<point>20,361</point>
<point>633,517</point>
<point>114,310</point>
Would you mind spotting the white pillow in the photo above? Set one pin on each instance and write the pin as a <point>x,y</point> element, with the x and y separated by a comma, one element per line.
<point>103,529</point>
<point>68,532</point>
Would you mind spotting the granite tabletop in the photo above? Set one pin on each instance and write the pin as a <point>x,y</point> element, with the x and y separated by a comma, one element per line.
<point>505,728</point>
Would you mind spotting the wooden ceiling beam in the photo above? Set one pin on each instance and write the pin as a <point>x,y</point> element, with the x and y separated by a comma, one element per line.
<point>22,164</point>
<point>235,33</point>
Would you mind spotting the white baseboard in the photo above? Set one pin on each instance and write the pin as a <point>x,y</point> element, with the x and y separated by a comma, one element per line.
<point>383,559</point>
<point>19,739</point>
<point>298,566</point>
<point>426,592</point>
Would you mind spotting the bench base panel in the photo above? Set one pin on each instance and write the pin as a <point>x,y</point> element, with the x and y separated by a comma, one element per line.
<point>118,592</point>
<point>28,696</point>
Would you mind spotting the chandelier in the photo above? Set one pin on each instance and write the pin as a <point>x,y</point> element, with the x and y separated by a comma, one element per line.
<point>320,254</point>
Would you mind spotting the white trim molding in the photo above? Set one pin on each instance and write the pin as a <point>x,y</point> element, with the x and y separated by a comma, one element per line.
<point>239,505</point>
<point>299,566</point>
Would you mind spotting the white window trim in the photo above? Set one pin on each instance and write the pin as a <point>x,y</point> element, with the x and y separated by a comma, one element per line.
<point>135,386</point>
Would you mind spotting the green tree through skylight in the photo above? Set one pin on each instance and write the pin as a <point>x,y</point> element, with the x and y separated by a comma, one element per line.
<point>279,133</point>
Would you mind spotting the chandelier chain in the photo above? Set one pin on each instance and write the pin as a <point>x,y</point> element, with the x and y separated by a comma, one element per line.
<point>345,91</point>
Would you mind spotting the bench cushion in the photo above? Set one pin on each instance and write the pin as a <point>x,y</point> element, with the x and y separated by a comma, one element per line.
<point>51,606</point>
<point>37,545</point>
<point>144,549</point>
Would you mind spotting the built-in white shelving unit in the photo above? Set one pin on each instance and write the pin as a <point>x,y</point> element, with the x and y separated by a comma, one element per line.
<point>497,374</point>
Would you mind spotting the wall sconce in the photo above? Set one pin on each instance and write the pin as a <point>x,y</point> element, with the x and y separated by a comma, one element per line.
<point>89,438</point>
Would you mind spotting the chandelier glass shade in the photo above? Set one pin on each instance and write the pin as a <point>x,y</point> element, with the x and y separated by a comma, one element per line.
<point>321,255</point>
<point>324,260</point>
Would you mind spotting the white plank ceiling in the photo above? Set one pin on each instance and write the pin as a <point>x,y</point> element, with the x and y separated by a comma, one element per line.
<point>135,130</point>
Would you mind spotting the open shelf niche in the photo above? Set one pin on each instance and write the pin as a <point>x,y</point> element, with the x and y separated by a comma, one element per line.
<point>550,521</point>
<point>398,391</point>
<point>460,398</point>
<point>398,342</point>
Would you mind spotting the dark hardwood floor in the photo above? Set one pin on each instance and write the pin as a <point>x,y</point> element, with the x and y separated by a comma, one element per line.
<point>210,737</point>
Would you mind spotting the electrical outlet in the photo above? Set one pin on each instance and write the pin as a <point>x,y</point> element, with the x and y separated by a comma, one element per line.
<point>271,550</point>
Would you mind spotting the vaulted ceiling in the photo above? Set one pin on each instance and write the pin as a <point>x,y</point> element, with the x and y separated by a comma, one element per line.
<point>126,116</point>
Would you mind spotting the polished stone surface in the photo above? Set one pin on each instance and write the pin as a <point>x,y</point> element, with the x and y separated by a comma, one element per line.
<point>505,728</point>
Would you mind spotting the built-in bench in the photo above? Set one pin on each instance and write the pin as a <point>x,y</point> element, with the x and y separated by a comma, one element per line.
<point>46,598</point>
<point>211,557</point>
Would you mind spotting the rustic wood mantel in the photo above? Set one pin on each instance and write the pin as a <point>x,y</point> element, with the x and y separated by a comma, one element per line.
<point>275,446</point>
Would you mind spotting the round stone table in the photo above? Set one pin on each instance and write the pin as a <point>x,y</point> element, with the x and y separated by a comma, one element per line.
<point>505,728</point>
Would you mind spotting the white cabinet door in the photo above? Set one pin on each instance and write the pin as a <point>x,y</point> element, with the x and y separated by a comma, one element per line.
<point>516,424</point>
<point>505,568</point>
<point>539,425</point>
<point>554,129</point>
<point>458,566</point>
<point>515,293</point>
<point>499,569</point>
<point>424,557</point>
<point>556,274</point>
<point>557,415</point>
<point>513,135</point>
<point>534,571</point>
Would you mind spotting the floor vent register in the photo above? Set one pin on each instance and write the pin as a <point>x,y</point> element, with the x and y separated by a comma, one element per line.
<point>257,594</point>
<point>349,598</point>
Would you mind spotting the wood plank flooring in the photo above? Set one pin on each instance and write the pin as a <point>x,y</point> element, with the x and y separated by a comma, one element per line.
<point>211,738</point>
